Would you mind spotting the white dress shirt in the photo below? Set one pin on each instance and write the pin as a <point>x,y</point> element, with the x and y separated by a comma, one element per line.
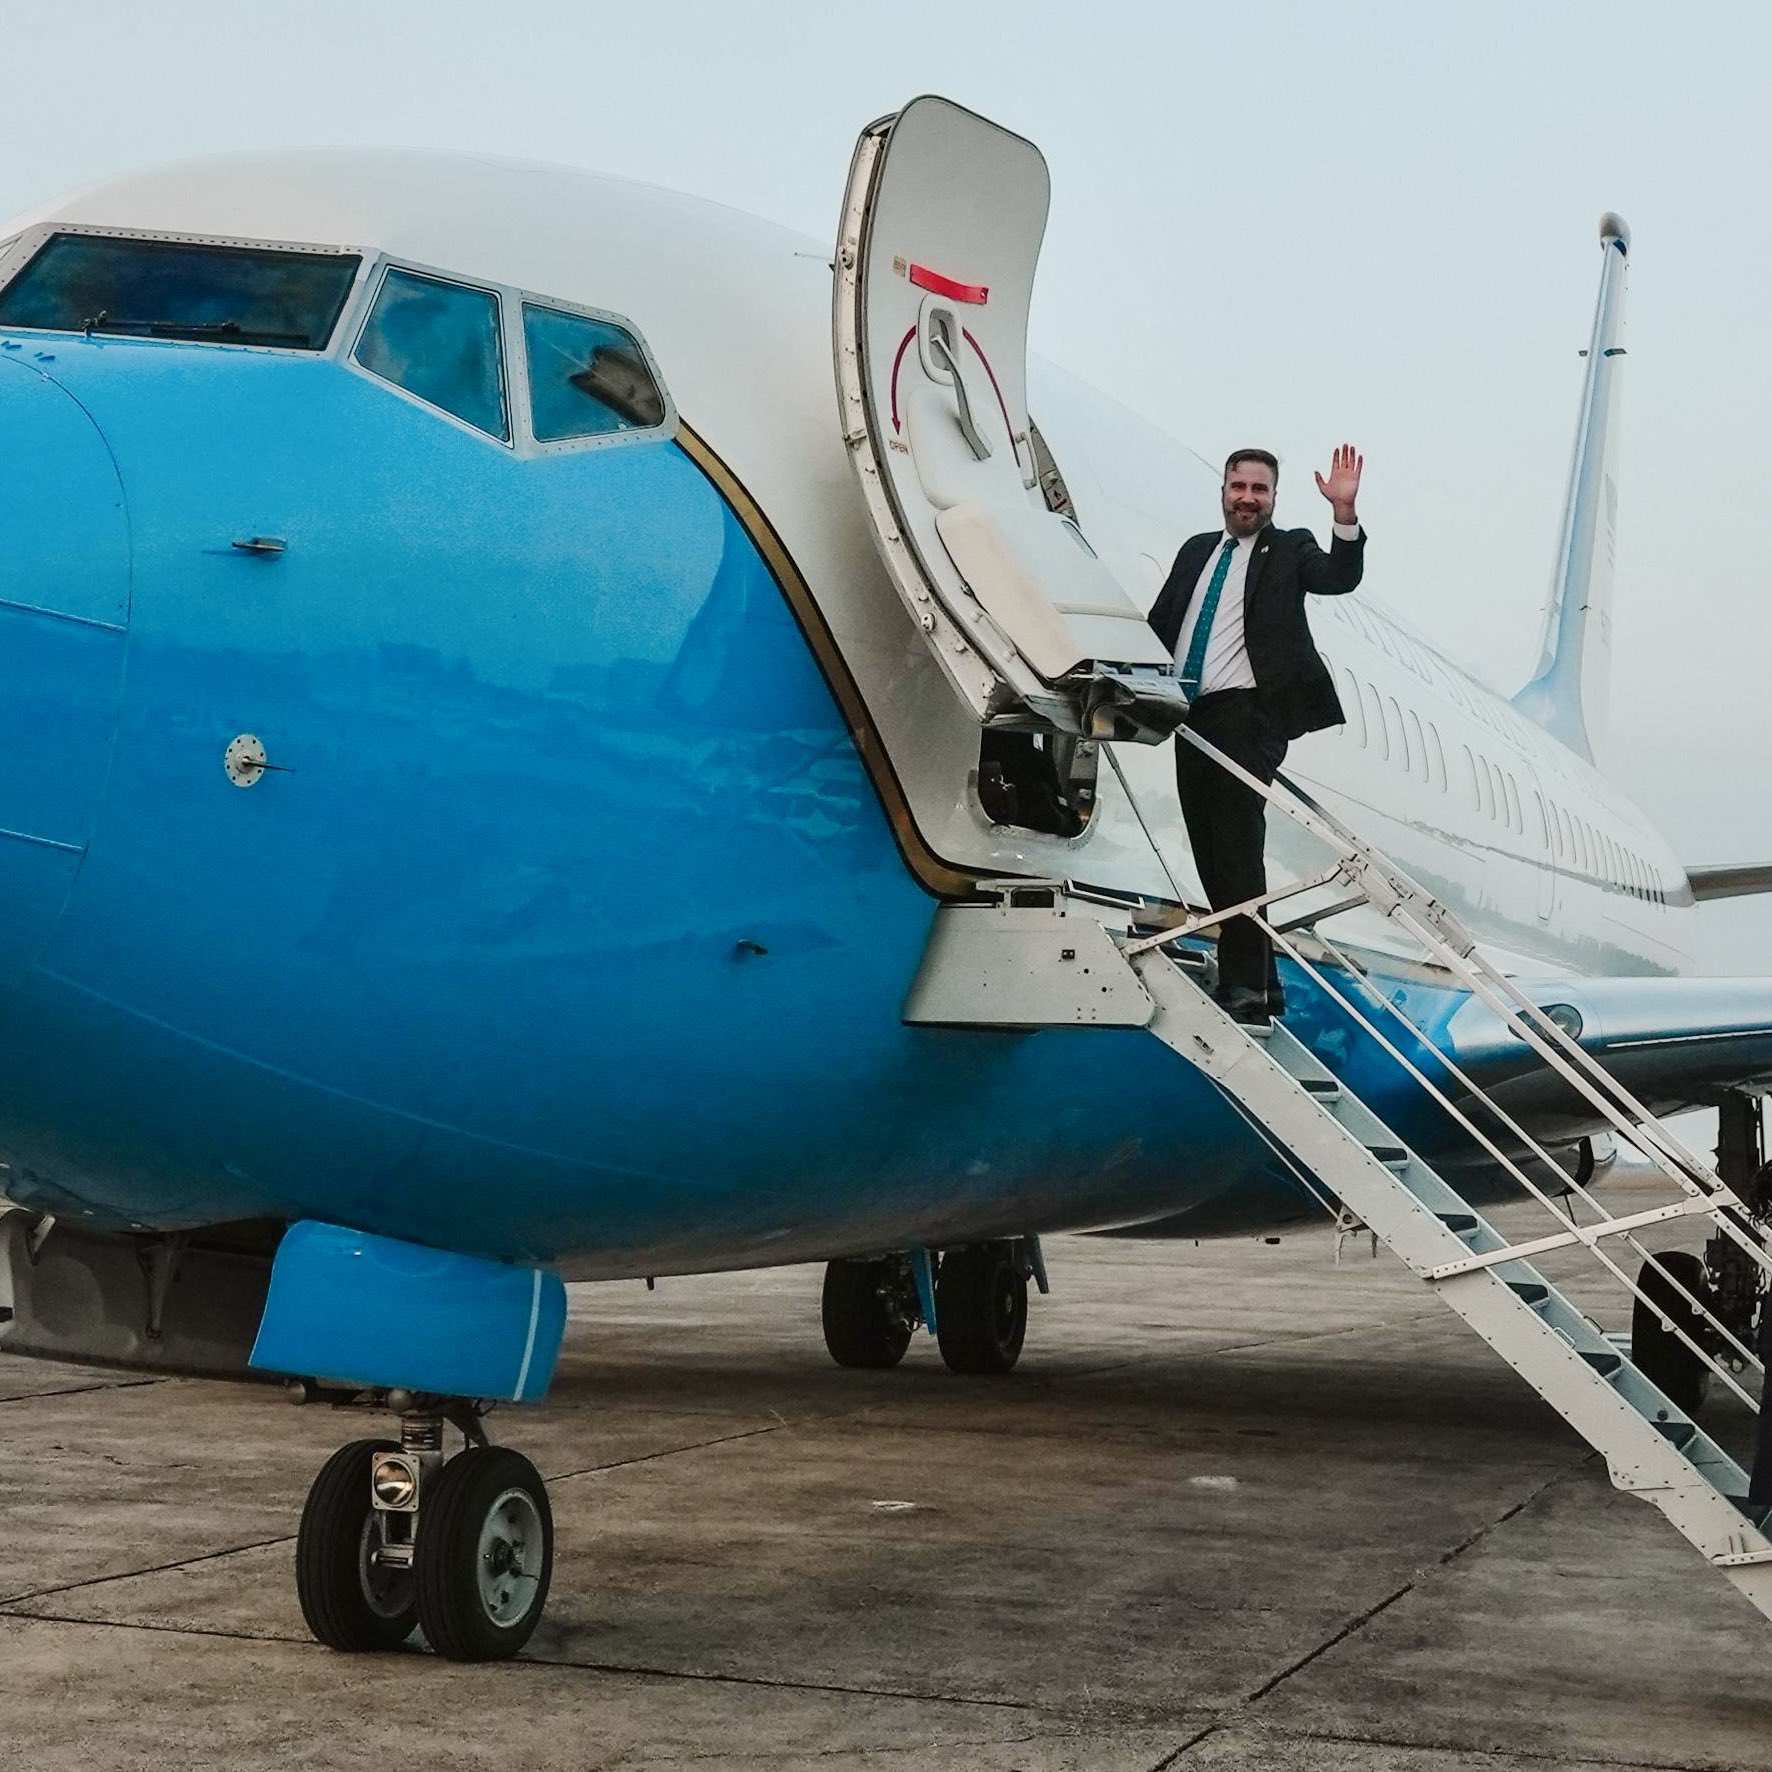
<point>1226,665</point>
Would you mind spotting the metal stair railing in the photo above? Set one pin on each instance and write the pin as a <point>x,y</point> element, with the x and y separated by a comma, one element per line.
<point>1606,1223</point>
<point>1034,954</point>
<point>1373,880</point>
<point>1651,1447</point>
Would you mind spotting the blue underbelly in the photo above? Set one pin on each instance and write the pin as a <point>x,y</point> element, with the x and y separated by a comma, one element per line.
<point>571,924</point>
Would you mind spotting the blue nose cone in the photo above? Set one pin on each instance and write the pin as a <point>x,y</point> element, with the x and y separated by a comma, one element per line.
<point>64,613</point>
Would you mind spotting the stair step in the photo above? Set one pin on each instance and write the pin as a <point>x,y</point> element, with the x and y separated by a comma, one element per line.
<point>1392,1156</point>
<point>1323,1088</point>
<point>1680,1433</point>
<point>1529,1292</point>
<point>1604,1364</point>
<point>1460,1224</point>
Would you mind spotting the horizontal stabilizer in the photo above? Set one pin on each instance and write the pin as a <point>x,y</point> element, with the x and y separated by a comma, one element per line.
<point>1734,881</point>
<point>1675,1043</point>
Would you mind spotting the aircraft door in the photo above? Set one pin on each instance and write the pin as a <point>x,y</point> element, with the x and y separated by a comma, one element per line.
<point>940,237</point>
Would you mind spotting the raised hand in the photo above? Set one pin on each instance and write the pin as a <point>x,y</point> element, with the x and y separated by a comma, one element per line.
<point>1342,488</point>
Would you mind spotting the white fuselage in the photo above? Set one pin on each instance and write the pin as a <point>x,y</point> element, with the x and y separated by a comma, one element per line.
<point>1530,845</point>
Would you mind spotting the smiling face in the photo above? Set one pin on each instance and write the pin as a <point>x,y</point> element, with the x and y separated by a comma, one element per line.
<point>1248,495</point>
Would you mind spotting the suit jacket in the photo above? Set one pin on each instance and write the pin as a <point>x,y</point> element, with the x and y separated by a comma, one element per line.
<point>1291,681</point>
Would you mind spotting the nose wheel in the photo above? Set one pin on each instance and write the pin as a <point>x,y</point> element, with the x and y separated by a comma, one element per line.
<point>393,1538</point>
<point>353,1596</point>
<point>485,1555</point>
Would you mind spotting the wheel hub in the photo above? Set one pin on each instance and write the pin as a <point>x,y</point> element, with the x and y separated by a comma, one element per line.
<point>507,1589</point>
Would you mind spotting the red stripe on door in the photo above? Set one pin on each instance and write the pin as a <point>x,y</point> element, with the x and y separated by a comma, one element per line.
<point>976,293</point>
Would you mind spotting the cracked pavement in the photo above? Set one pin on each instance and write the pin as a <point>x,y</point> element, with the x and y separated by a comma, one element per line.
<point>1238,1507</point>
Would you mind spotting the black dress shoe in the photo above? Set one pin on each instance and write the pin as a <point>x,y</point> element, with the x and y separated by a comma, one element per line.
<point>1246,1008</point>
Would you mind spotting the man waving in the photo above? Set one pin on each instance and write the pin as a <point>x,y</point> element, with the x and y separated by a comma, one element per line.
<point>1232,612</point>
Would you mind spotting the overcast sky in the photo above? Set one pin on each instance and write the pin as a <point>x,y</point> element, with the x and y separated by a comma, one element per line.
<point>1278,223</point>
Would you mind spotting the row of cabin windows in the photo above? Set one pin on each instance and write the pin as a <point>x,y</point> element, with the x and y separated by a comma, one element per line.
<point>1429,668</point>
<point>1379,723</point>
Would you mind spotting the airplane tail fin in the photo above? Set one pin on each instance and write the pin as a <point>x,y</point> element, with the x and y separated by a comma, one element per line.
<point>1571,685</point>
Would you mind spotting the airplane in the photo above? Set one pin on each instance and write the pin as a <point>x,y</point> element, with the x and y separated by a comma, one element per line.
<point>493,716</point>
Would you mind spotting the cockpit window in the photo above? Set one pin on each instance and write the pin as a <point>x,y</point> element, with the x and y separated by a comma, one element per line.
<point>228,295</point>
<point>587,378</point>
<point>439,341</point>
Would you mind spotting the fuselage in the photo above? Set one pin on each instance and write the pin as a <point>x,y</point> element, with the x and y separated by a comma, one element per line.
<point>608,785</point>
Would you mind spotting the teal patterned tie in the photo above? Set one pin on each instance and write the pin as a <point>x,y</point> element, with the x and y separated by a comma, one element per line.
<point>1196,652</point>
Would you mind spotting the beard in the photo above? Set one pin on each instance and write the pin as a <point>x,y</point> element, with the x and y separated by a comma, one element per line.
<point>1243,522</point>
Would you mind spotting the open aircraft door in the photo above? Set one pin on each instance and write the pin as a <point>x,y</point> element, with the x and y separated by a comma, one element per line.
<point>935,267</point>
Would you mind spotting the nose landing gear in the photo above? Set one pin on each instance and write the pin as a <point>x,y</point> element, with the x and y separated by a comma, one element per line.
<point>395,1537</point>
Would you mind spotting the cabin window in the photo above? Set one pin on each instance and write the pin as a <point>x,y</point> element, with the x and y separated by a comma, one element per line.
<point>1381,738</point>
<point>587,378</point>
<point>1394,717</point>
<point>1515,816</point>
<point>1544,823</point>
<point>1433,733</point>
<point>1354,707</point>
<point>439,341</point>
<point>1485,787</point>
<point>1418,743</point>
<point>1470,770</point>
<point>224,295</point>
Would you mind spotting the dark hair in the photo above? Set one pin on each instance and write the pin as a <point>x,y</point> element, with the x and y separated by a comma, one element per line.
<point>1270,462</point>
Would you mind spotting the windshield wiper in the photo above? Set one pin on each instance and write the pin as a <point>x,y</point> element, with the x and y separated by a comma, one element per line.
<point>231,331</point>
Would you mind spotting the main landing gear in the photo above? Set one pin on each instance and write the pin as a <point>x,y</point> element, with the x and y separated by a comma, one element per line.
<point>1678,1288</point>
<point>394,1538</point>
<point>871,1308</point>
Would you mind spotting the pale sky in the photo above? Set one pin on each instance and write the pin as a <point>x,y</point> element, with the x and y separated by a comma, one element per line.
<point>1279,223</point>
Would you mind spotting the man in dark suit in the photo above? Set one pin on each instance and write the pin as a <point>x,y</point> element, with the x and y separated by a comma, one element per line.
<point>1232,612</point>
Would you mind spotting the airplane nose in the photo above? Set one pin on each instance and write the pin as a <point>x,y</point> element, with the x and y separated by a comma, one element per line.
<point>64,613</point>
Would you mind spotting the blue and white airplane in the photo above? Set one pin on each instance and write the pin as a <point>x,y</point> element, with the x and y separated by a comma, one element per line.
<point>488,728</point>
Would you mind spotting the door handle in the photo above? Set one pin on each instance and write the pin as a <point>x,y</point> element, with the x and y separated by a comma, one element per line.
<point>942,352</point>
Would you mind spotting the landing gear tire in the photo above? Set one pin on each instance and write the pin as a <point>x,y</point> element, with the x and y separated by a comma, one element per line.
<point>485,1554</point>
<point>350,1600</point>
<point>1658,1353</point>
<point>866,1326</point>
<point>981,1308</point>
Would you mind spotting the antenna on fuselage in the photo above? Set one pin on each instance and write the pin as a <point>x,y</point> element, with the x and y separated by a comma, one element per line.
<point>1571,686</point>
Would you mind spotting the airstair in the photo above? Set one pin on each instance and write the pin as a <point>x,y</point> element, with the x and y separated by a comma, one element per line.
<point>1044,954</point>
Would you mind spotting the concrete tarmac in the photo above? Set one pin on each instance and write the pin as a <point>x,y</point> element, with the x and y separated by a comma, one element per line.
<point>1238,1507</point>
